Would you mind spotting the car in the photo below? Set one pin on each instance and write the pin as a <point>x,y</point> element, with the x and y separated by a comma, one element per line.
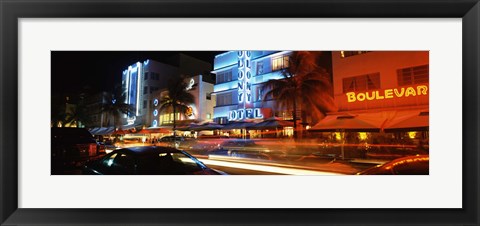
<point>244,148</point>
<point>411,165</point>
<point>204,143</point>
<point>148,160</point>
<point>172,141</point>
<point>71,147</point>
<point>109,146</point>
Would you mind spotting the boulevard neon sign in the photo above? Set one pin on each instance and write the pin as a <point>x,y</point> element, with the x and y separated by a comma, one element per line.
<point>387,94</point>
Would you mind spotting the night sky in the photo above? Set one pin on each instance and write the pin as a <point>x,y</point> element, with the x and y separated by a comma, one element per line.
<point>96,71</point>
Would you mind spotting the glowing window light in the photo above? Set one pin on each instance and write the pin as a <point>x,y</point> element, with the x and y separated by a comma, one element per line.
<point>288,131</point>
<point>412,134</point>
<point>189,111</point>
<point>362,135</point>
<point>338,135</point>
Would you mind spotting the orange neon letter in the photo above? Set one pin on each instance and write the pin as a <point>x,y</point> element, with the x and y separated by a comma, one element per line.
<point>351,97</point>
<point>378,96</point>
<point>361,96</point>
<point>399,94</point>
<point>388,93</point>
<point>371,97</point>
<point>410,91</point>
<point>422,90</point>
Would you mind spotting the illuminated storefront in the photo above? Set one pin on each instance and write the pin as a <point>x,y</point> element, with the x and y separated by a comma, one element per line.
<point>383,80</point>
<point>383,98</point>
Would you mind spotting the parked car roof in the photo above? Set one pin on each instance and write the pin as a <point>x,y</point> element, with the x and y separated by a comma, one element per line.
<point>148,160</point>
<point>410,165</point>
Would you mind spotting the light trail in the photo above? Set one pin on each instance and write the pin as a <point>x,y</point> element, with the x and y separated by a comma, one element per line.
<point>270,169</point>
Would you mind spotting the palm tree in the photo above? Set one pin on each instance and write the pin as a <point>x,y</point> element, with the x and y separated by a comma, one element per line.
<point>57,111</point>
<point>68,112</point>
<point>77,115</point>
<point>177,98</point>
<point>304,86</point>
<point>115,107</point>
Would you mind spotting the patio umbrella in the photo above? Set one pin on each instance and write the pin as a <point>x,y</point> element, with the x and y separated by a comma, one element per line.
<point>108,130</point>
<point>153,130</point>
<point>412,122</point>
<point>188,127</point>
<point>102,131</point>
<point>207,126</point>
<point>238,125</point>
<point>361,123</point>
<point>273,122</point>
<point>119,132</point>
<point>94,130</point>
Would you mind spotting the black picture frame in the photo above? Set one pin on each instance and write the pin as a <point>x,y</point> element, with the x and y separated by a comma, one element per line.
<point>11,11</point>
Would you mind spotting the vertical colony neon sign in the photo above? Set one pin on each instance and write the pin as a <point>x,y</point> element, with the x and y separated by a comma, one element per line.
<point>244,88</point>
<point>133,79</point>
<point>244,76</point>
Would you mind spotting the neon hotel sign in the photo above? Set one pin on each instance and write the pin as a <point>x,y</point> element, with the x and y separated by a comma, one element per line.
<point>244,88</point>
<point>387,94</point>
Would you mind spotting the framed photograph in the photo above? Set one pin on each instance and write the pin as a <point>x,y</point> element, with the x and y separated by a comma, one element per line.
<point>214,87</point>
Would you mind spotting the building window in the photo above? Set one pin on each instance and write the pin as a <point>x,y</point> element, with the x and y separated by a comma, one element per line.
<point>154,76</point>
<point>145,89</point>
<point>153,89</point>
<point>209,116</point>
<point>344,54</point>
<point>259,93</point>
<point>225,76</point>
<point>144,104</point>
<point>259,67</point>
<point>361,83</point>
<point>224,99</point>
<point>280,62</point>
<point>146,75</point>
<point>413,75</point>
<point>209,96</point>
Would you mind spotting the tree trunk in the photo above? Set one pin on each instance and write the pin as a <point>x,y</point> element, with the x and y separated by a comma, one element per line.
<point>294,114</point>
<point>174,123</point>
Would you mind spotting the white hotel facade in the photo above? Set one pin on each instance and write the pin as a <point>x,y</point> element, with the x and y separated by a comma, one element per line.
<point>145,83</point>
<point>140,81</point>
<point>239,79</point>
